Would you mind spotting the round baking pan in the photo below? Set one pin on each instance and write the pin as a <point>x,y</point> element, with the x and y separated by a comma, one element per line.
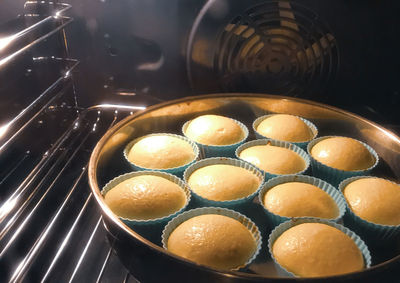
<point>149,262</point>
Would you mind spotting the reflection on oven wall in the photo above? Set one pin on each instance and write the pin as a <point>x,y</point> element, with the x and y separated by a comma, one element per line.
<point>131,47</point>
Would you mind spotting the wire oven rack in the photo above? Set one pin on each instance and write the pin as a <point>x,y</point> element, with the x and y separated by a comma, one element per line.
<point>50,228</point>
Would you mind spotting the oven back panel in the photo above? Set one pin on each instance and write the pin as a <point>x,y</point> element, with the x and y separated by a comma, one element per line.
<point>339,52</point>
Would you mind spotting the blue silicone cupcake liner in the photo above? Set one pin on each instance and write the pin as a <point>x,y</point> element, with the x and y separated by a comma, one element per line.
<point>149,228</point>
<point>241,204</point>
<point>302,145</point>
<point>371,231</point>
<point>326,187</point>
<point>291,223</point>
<point>332,175</point>
<point>178,171</point>
<point>219,150</point>
<point>284,144</point>
<point>170,227</point>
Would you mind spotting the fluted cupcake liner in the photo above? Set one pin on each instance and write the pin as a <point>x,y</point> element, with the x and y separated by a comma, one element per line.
<point>272,142</point>
<point>241,204</point>
<point>178,171</point>
<point>302,145</point>
<point>332,175</point>
<point>291,223</point>
<point>326,187</point>
<point>370,231</point>
<point>219,150</point>
<point>149,228</point>
<point>170,227</point>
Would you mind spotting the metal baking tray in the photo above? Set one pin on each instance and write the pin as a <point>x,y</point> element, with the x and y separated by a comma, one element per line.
<point>148,262</point>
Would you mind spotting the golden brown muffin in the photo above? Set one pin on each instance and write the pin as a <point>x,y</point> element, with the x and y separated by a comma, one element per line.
<point>274,159</point>
<point>316,249</point>
<point>214,130</point>
<point>161,152</point>
<point>285,127</point>
<point>214,240</point>
<point>297,199</point>
<point>145,197</point>
<point>223,182</point>
<point>343,153</point>
<point>374,199</point>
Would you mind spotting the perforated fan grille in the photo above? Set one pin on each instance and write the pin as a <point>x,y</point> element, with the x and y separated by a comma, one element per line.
<point>276,47</point>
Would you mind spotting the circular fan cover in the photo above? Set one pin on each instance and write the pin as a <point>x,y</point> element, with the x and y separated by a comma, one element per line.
<point>277,47</point>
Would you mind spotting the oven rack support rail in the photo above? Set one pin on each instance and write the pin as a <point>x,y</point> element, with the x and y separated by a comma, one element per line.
<point>14,46</point>
<point>50,228</point>
<point>15,127</point>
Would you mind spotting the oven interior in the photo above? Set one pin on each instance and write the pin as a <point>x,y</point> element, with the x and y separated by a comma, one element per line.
<point>71,70</point>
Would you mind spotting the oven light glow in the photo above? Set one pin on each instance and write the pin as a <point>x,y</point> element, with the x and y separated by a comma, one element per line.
<point>7,207</point>
<point>3,129</point>
<point>5,41</point>
<point>391,135</point>
<point>323,154</point>
<point>152,143</point>
<point>127,107</point>
<point>151,66</point>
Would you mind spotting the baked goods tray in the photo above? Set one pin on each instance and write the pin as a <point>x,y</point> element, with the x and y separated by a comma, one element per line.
<point>148,262</point>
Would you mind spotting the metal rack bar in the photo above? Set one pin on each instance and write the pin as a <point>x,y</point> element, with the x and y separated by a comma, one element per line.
<point>130,279</point>
<point>114,270</point>
<point>44,96</point>
<point>25,263</point>
<point>60,159</point>
<point>90,249</point>
<point>9,58</point>
<point>11,202</point>
<point>126,278</point>
<point>78,265</point>
<point>27,218</point>
<point>63,6</point>
<point>103,267</point>
<point>7,41</point>
<point>66,239</point>
<point>92,123</point>
<point>15,167</point>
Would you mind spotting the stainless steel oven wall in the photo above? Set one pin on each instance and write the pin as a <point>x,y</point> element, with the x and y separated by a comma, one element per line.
<point>131,47</point>
<point>181,47</point>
